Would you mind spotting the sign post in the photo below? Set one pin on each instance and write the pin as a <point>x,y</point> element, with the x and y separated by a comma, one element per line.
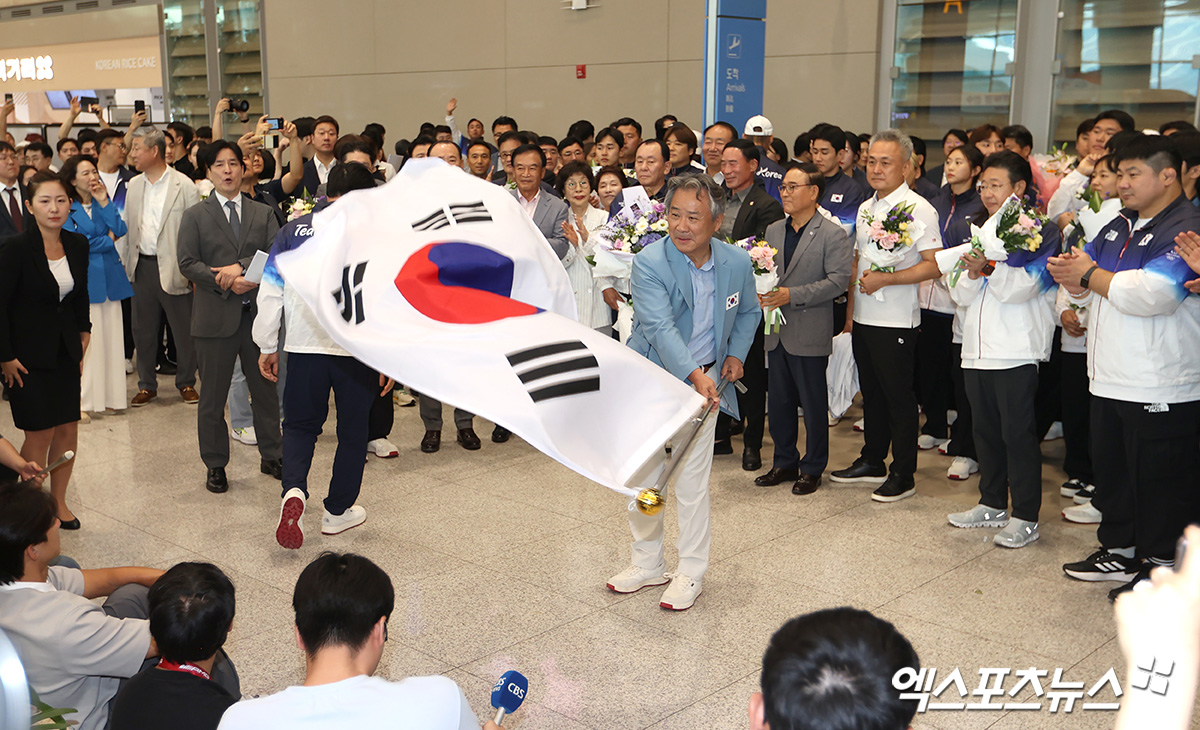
<point>734,51</point>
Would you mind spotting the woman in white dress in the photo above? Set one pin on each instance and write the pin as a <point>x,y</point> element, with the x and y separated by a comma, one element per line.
<point>575,184</point>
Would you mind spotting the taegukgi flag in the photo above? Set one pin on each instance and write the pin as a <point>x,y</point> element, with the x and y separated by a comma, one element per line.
<point>442,281</point>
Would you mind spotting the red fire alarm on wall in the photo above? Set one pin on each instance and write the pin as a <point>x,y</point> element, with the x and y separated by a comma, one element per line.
<point>581,71</point>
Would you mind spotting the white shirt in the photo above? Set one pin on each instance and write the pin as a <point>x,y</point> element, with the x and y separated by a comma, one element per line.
<point>153,200</point>
<point>530,206</point>
<point>14,191</point>
<point>428,703</point>
<point>900,306</point>
<point>237,204</point>
<point>322,170</point>
<point>111,180</point>
<point>62,274</point>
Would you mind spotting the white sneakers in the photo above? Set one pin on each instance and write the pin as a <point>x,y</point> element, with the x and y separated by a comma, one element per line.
<point>925,442</point>
<point>1083,514</point>
<point>290,533</point>
<point>679,596</point>
<point>1018,534</point>
<point>860,425</point>
<point>1055,432</point>
<point>382,448</point>
<point>944,449</point>
<point>246,436</point>
<point>979,516</point>
<point>335,524</point>
<point>962,468</point>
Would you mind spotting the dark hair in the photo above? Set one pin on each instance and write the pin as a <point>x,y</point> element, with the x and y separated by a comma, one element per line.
<point>426,129</point>
<point>547,140</point>
<point>86,134</point>
<point>268,163</point>
<point>1019,134</point>
<point>348,176</point>
<point>376,140</point>
<point>26,515</point>
<point>183,132</point>
<point>70,170</point>
<point>983,132</point>
<point>105,135</point>
<point>575,167</point>
<point>1120,139</point>
<point>338,600</point>
<point>611,133</point>
<point>41,147</point>
<point>377,128</point>
<point>802,144</point>
<point>1155,150</point>
<point>748,149</point>
<point>1017,167</point>
<point>833,669</point>
<point>305,126</point>
<point>830,133</point>
<point>63,142</point>
<point>919,148</point>
<point>526,148</point>
<point>43,177</point>
<point>815,177</point>
<point>24,169</point>
<point>567,141</point>
<point>780,149</point>
<point>973,155</point>
<point>612,170</point>
<point>326,119</point>
<point>1085,127</point>
<point>191,608</point>
<point>1107,161</point>
<point>509,136</point>
<point>422,140</point>
<point>503,121</point>
<point>208,153</point>
<point>528,137</point>
<point>401,147</point>
<point>6,147</point>
<point>660,125</point>
<point>661,145</point>
<point>1189,147</point>
<point>959,134</point>
<point>205,132</point>
<point>627,122</point>
<point>684,135</point>
<point>352,143</point>
<point>1177,126</point>
<point>733,133</point>
<point>472,120</point>
<point>442,129</point>
<point>478,143</point>
<point>1120,117</point>
<point>581,130</point>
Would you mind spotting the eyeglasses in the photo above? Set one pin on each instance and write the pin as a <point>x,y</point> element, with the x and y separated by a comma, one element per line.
<point>790,188</point>
<point>992,188</point>
<point>575,184</point>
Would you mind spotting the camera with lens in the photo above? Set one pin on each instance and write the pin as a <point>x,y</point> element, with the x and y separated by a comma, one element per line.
<point>239,105</point>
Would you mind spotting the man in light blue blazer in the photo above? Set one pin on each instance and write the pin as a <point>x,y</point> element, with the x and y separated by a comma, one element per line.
<point>695,310</point>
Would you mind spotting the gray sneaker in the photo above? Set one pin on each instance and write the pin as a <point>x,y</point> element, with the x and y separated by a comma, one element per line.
<point>1018,534</point>
<point>979,516</point>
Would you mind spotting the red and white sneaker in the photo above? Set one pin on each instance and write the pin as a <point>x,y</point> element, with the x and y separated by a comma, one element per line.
<point>290,533</point>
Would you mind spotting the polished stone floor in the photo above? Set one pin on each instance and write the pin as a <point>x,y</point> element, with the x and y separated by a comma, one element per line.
<point>499,559</point>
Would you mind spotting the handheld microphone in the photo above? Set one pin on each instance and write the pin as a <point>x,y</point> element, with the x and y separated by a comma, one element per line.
<point>57,463</point>
<point>508,693</point>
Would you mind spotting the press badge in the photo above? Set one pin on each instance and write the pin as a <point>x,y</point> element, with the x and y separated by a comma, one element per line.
<point>732,301</point>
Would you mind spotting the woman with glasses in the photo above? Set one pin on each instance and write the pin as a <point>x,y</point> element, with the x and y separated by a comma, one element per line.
<point>45,331</point>
<point>575,184</point>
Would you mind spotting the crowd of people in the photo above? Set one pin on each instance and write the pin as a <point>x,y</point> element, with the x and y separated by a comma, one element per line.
<point>987,303</point>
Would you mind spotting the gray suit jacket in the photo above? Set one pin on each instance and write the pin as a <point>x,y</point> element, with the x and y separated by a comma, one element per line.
<point>206,240</point>
<point>550,214</point>
<point>818,273</point>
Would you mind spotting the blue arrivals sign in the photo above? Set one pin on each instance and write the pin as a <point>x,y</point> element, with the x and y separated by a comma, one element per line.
<point>735,46</point>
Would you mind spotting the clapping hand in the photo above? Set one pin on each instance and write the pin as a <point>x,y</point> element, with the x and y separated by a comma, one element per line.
<point>1188,246</point>
<point>571,234</point>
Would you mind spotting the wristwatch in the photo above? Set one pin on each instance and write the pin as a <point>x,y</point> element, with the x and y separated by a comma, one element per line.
<point>1087,275</point>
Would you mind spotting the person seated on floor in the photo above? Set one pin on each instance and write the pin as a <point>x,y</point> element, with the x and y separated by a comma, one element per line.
<point>342,604</point>
<point>834,669</point>
<point>191,611</point>
<point>73,650</point>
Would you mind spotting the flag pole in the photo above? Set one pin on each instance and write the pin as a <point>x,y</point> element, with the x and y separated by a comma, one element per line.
<point>651,500</point>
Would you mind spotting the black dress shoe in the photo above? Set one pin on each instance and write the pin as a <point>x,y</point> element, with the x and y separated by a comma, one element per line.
<point>432,442</point>
<point>806,484</point>
<point>467,439</point>
<point>777,476</point>
<point>72,524</point>
<point>736,428</point>
<point>721,448</point>
<point>216,482</point>
<point>751,460</point>
<point>166,368</point>
<point>274,467</point>
<point>500,434</point>
<point>861,471</point>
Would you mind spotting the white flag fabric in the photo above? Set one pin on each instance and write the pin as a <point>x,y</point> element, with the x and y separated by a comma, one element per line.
<point>442,281</point>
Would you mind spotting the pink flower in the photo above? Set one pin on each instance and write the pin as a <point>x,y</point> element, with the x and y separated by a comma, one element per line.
<point>1026,222</point>
<point>889,241</point>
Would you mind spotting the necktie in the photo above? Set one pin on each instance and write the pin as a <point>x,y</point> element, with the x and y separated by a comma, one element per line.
<point>234,222</point>
<point>14,210</point>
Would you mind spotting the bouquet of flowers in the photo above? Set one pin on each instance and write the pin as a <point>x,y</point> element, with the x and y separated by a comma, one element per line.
<point>888,240</point>
<point>1058,163</point>
<point>1015,229</point>
<point>640,223</point>
<point>1092,197</point>
<point>766,278</point>
<point>302,207</point>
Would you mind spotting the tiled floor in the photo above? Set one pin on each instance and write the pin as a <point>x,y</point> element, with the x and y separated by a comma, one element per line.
<point>499,559</point>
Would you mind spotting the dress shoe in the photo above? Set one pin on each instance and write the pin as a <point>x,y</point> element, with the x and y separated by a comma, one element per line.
<point>274,467</point>
<point>861,471</point>
<point>751,460</point>
<point>500,434</point>
<point>71,524</point>
<point>142,398</point>
<point>806,484</point>
<point>736,428</point>
<point>721,448</point>
<point>777,476</point>
<point>467,439</point>
<point>432,442</point>
<point>166,368</point>
<point>216,482</point>
<point>189,395</point>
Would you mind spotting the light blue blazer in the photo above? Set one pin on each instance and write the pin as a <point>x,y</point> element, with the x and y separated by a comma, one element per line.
<point>661,286</point>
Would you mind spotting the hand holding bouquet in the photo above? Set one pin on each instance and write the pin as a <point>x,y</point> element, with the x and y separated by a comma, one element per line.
<point>1015,228</point>
<point>888,240</point>
<point>766,278</point>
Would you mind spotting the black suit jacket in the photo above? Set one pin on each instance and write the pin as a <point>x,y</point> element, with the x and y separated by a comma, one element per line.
<point>758,211</point>
<point>6,222</point>
<point>32,320</point>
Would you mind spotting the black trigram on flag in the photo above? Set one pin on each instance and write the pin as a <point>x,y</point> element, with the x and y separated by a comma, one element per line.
<point>455,213</point>
<point>350,295</point>
<point>556,370</point>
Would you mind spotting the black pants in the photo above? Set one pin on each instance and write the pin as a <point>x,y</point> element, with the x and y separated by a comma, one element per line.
<point>383,415</point>
<point>799,382</point>
<point>962,433</point>
<point>1076,417</point>
<point>1146,459</point>
<point>127,326</point>
<point>1010,457</point>
<point>1048,401</point>
<point>933,370</point>
<point>752,405</point>
<point>886,358</point>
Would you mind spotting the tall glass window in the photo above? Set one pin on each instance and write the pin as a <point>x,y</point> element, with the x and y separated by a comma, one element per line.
<point>240,49</point>
<point>187,62</point>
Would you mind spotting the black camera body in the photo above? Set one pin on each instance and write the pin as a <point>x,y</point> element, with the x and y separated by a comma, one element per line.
<point>239,105</point>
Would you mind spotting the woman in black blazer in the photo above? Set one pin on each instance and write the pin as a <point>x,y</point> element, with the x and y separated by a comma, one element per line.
<point>44,331</point>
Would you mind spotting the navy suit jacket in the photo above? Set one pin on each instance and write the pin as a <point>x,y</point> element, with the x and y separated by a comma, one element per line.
<point>6,222</point>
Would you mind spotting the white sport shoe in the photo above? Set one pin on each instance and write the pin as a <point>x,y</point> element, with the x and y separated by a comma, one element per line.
<point>944,449</point>
<point>1083,514</point>
<point>246,436</point>
<point>962,468</point>
<point>1018,534</point>
<point>129,366</point>
<point>383,448</point>
<point>290,533</point>
<point>925,442</point>
<point>634,579</point>
<point>334,524</point>
<point>979,516</point>
<point>682,592</point>
<point>860,425</point>
<point>1055,431</point>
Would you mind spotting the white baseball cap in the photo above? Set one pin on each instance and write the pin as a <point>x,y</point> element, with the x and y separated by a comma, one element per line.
<point>759,126</point>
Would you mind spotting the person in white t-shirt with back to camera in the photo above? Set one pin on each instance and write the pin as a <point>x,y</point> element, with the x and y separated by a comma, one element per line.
<point>342,604</point>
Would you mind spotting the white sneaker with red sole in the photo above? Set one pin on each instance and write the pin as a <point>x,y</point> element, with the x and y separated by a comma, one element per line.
<point>290,533</point>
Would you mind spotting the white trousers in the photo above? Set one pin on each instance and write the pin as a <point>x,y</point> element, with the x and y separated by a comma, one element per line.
<point>103,383</point>
<point>690,485</point>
